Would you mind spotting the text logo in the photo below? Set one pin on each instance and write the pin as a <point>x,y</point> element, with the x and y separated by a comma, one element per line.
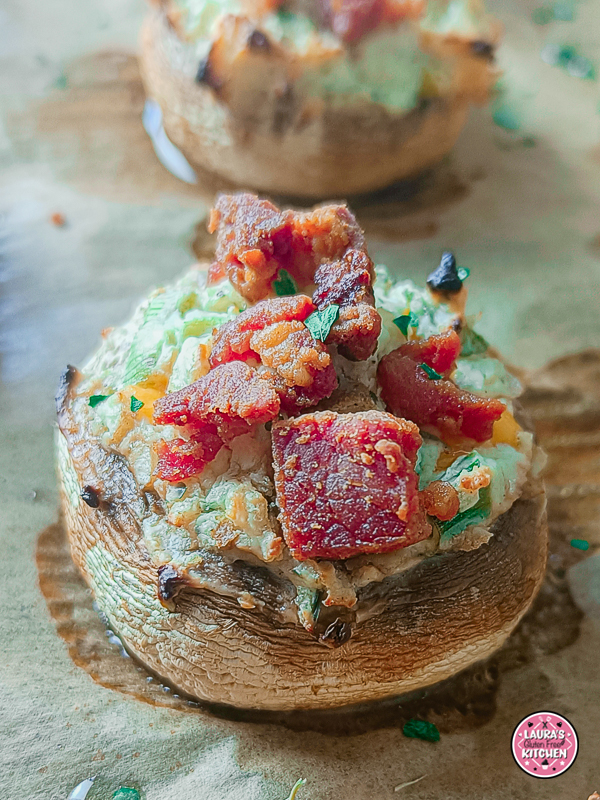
<point>544,744</point>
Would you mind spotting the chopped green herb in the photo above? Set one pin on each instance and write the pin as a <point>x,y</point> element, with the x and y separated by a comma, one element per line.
<point>295,788</point>
<point>581,67</point>
<point>284,285</point>
<point>567,57</point>
<point>97,398</point>
<point>506,118</point>
<point>431,373</point>
<point>208,506</point>
<point>471,343</point>
<point>406,321</point>
<point>321,322</point>
<point>126,793</point>
<point>564,11</point>
<point>463,273</point>
<point>477,513</point>
<point>135,404</point>
<point>61,82</point>
<point>316,606</point>
<point>580,544</point>
<point>421,729</point>
<point>542,16</point>
<point>284,15</point>
<point>148,341</point>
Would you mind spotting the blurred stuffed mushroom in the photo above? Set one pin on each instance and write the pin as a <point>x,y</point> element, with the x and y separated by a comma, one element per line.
<point>306,98</point>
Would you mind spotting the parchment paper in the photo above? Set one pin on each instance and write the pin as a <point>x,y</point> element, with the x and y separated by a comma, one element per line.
<point>521,211</point>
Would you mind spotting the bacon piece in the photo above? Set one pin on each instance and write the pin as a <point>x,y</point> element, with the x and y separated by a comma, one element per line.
<point>348,283</point>
<point>232,340</point>
<point>299,366</point>
<point>323,234</point>
<point>253,241</point>
<point>324,246</point>
<point>440,499</point>
<point>232,397</point>
<point>438,352</point>
<point>437,406</point>
<point>290,350</point>
<point>346,484</point>
<point>179,459</point>
<point>296,399</point>
<point>272,331</point>
<point>352,19</point>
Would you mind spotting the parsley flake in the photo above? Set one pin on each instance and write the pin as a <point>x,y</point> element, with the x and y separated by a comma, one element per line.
<point>407,321</point>
<point>471,343</point>
<point>97,398</point>
<point>463,273</point>
<point>135,404</point>
<point>126,793</point>
<point>420,729</point>
<point>284,285</point>
<point>321,322</point>
<point>431,373</point>
<point>580,544</point>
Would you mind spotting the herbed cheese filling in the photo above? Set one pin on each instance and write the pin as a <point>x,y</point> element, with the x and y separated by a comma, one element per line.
<point>229,508</point>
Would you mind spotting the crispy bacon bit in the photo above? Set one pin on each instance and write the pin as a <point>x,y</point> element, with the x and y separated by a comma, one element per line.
<point>231,397</point>
<point>440,499</point>
<point>232,340</point>
<point>438,352</point>
<point>253,237</point>
<point>324,247</point>
<point>299,367</point>
<point>297,399</point>
<point>333,504</point>
<point>352,19</point>
<point>437,406</point>
<point>348,283</point>
<point>179,459</point>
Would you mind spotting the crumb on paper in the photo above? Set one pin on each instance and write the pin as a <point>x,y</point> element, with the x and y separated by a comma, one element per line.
<point>58,219</point>
<point>299,783</point>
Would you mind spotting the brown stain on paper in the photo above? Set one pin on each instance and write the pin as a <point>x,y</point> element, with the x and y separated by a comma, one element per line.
<point>93,127</point>
<point>563,400</point>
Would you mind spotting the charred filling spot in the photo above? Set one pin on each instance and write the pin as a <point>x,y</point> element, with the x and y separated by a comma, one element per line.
<point>90,496</point>
<point>66,381</point>
<point>170,583</point>
<point>483,49</point>
<point>259,42</point>
<point>445,278</point>
<point>206,76</point>
<point>336,634</point>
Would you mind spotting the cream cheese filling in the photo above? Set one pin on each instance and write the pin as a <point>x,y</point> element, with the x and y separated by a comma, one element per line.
<point>229,508</point>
